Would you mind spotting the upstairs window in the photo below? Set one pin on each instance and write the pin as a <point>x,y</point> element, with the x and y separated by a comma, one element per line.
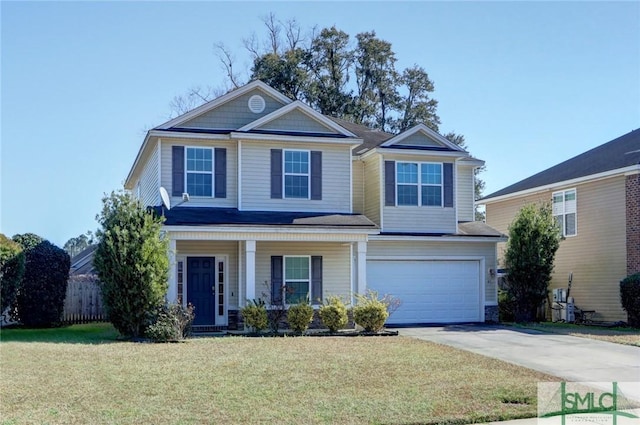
<point>565,211</point>
<point>199,171</point>
<point>419,188</point>
<point>296,174</point>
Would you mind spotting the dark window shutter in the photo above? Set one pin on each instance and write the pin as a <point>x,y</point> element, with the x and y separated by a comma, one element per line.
<point>276,173</point>
<point>447,170</point>
<point>276,279</point>
<point>390,183</point>
<point>221,173</point>
<point>316,280</point>
<point>316,175</point>
<point>177,170</point>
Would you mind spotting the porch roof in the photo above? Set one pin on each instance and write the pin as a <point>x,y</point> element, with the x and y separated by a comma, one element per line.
<point>208,216</point>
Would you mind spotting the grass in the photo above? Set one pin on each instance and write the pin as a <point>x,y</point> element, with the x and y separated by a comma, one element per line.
<point>83,375</point>
<point>618,335</point>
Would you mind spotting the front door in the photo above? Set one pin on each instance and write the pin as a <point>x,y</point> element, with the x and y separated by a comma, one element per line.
<point>201,289</point>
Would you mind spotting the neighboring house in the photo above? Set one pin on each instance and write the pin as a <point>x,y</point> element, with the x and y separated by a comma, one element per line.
<point>596,200</point>
<point>82,263</point>
<point>285,203</point>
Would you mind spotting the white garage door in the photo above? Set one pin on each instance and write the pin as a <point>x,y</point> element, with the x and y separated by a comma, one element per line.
<point>430,291</point>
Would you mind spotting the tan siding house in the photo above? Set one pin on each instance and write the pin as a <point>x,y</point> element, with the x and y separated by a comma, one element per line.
<point>268,199</point>
<point>602,238</point>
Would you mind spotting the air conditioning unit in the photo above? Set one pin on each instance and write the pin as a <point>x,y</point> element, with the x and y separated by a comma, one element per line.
<point>559,295</point>
<point>564,311</point>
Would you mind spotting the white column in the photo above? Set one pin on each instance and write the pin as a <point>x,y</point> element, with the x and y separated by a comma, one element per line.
<point>250,268</point>
<point>172,291</point>
<point>361,286</point>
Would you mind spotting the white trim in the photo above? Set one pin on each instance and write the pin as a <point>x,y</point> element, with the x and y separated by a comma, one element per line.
<point>483,239</point>
<point>239,165</point>
<point>159,149</point>
<point>308,111</point>
<point>298,139</point>
<point>350,184</point>
<point>250,269</point>
<point>417,152</point>
<point>189,135</point>
<point>257,84</point>
<point>308,174</point>
<point>185,282</point>
<point>276,234</point>
<point>626,171</point>
<point>381,189</point>
<point>564,213</point>
<point>284,276</point>
<point>420,184</point>
<point>427,132</point>
<point>128,183</point>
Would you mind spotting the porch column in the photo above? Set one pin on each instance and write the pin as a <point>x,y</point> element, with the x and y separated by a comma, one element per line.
<point>172,290</point>
<point>361,285</point>
<point>250,269</point>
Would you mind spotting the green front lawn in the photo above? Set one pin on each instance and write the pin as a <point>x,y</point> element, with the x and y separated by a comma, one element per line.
<point>51,376</point>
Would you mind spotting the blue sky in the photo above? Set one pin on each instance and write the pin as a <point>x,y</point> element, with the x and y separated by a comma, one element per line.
<point>529,84</point>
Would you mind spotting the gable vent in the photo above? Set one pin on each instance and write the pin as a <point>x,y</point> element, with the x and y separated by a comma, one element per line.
<point>256,104</point>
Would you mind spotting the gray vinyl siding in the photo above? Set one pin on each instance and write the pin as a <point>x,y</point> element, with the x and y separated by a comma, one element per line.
<point>296,121</point>
<point>231,200</point>
<point>442,250</point>
<point>596,255</point>
<point>149,184</point>
<point>357,171</point>
<point>234,114</point>
<point>466,209</point>
<point>418,139</point>
<point>372,191</point>
<point>336,266</point>
<point>256,178</point>
<point>213,248</point>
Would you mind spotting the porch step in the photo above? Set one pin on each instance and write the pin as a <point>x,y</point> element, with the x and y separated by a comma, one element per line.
<point>198,330</point>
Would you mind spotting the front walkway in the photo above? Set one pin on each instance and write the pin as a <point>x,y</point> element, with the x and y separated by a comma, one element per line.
<point>571,358</point>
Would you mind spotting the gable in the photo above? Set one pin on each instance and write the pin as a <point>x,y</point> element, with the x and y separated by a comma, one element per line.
<point>419,139</point>
<point>297,120</point>
<point>234,113</point>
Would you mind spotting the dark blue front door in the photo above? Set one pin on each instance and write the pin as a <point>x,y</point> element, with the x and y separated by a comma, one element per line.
<point>201,289</point>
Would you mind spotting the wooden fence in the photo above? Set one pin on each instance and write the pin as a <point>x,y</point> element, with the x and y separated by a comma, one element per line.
<point>83,303</point>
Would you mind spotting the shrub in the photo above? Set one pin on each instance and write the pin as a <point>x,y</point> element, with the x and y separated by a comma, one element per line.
<point>11,272</point>
<point>299,316</point>
<point>370,312</point>
<point>505,306</point>
<point>255,315</point>
<point>630,298</point>
<point>334,314</point>
<point>132,263</point>
<point>171,323</point>
<point>40,301</point>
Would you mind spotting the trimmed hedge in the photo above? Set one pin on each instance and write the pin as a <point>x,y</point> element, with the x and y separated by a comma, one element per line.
<point>299,316</point>
<point>370,312</point>
<point>255,315</point>
<point>40,301</point>
<point>11,271</point>
<point>630,298</point>
<point>334,314</point>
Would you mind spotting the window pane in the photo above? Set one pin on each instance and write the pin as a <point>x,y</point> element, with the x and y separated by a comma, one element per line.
<point>296,292</point>
<point>560,223</point>
<point>296,268</point>
<point>296,187</point>
<point>432,195</point>
<point>431,174</point>
<point>199,184</point>
<point>296,162</point>
<point>407,194</point>
<point>570,228</point>
<point>570,195</point>
<point>199,159</point>
<point>407,173</point>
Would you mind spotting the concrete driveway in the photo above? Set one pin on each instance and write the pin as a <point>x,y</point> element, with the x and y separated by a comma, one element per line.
<point>572,358</point>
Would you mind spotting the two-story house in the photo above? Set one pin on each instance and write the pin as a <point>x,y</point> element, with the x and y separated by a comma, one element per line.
<point>270,199</point>
<point>596,201</point>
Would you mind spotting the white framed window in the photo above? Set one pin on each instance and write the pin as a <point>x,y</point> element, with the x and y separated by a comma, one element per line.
<point>419,183</point>
<point>296,174</point>
<point>565,211</point>
<point>297,279</point>
<point>199,171</point>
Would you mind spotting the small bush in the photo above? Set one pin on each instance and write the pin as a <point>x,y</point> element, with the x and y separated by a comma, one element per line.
<point>506,306</point>
<point>40,300</point>
<point>370,312</point>
<point>172,323</point>
<point>630,298</point>
<point>255,315</point>
<point>11,271</point>
<point>334,314</point>
<point>299,316</point>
